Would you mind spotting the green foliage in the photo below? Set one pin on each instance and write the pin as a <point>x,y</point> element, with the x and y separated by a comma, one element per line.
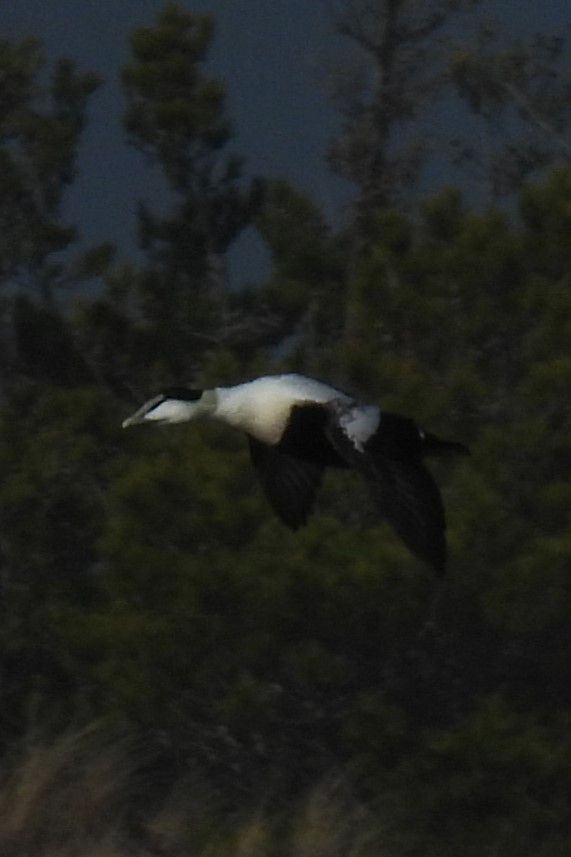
<point>167,318</point>
<point>174,112</point>
<point>305,291</point>
<point>51,448</point>
<point>39,130</point>
<point>518,91</point>
<point>411,68</point>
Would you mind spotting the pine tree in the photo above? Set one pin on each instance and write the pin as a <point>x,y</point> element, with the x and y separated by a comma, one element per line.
<point>384,100</point>
<point>518,93</point>
<point>40,127</point>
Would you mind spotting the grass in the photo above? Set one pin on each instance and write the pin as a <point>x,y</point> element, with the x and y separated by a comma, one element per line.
<point>79,795</point>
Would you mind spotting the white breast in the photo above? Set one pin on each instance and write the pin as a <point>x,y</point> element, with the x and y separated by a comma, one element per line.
<point>262,407</point>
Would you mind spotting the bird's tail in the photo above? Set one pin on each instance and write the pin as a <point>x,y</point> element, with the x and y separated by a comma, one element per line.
<point>433,445</point>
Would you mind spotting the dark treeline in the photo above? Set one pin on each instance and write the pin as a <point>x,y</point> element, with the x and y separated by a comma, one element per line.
<point>144,583</point>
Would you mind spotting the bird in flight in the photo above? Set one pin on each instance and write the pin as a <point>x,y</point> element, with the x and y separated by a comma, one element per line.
<point>296,427</point>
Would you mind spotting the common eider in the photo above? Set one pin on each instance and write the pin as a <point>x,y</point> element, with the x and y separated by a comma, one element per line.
<point>296,427</point>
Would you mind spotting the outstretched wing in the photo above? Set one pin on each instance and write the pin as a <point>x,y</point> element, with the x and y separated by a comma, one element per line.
<point>289,482</point>
<point>390,459</point>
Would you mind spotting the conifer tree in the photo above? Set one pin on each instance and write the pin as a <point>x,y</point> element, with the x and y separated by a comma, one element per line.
<point>176,116</point>
<point>518,92</point>
<point>41,120</point>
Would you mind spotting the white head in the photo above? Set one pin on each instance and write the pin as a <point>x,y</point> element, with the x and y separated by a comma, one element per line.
<point>175,405</point>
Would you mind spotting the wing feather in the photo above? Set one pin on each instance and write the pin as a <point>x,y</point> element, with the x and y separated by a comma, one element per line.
<point>405,491</point>
<point>289,483</point>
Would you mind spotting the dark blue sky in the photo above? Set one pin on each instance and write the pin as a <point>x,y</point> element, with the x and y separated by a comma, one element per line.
<point>273,55</point>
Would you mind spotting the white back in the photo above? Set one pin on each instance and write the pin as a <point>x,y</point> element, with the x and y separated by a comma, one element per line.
<point>358,422</point>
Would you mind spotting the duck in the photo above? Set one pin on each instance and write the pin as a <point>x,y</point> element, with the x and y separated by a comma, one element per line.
<point>297,427</point>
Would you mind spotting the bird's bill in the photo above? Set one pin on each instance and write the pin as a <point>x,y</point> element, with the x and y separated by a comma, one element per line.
<point>134,419</point>
<point>144,414</point>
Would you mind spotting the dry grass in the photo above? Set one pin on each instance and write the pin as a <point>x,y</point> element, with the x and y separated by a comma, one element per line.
<point>64,798</point>
<point>75,797</point>
<point>332,824</point>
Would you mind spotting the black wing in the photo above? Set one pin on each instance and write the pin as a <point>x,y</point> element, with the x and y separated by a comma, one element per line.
<point>289,482</point>
<point>404,489</point>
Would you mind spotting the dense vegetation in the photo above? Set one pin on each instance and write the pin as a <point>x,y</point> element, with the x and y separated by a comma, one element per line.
<point>146,586</point>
